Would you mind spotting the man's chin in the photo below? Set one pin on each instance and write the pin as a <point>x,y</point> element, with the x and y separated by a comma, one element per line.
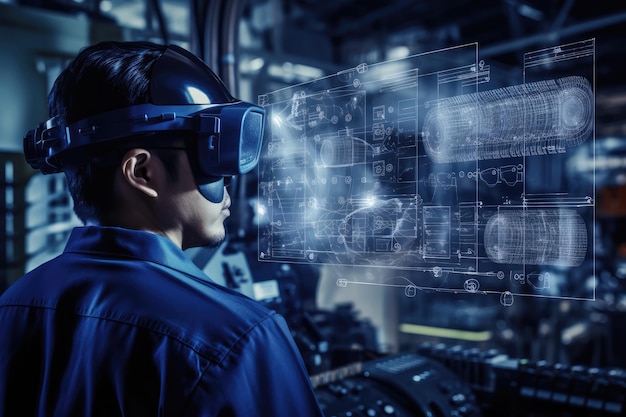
<point>215,240</point>
<point>208,241</point>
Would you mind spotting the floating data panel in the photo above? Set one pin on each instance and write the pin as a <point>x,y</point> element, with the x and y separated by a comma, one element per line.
<point>425,165</point>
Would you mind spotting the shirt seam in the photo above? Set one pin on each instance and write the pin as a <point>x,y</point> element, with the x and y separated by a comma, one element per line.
<point>116,256</point>
<point>239,340</point>
<point>210,354</point>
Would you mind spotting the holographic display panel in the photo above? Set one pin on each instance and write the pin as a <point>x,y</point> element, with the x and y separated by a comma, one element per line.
<point>422,164</point>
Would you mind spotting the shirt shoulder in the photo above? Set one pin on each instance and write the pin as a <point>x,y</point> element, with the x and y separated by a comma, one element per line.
<point>175,303</point>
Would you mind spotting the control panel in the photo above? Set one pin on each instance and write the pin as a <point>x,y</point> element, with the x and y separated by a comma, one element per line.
<point>398,385</point>
<point>516,387</point>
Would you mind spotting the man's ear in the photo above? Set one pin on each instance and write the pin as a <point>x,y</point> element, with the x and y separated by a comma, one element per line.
<point>139,171</point>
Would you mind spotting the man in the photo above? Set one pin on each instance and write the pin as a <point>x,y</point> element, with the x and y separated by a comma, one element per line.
<point>122,323</point>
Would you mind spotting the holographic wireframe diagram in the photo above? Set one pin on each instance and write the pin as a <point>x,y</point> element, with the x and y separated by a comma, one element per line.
<point>428,165</point>
<point>530,119</point>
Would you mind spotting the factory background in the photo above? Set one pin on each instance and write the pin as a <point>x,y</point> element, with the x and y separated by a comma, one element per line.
<point>263,46</point>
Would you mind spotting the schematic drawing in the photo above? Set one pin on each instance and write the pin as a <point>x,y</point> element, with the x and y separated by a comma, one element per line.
<point>536,237</point>
<point>529,119</point>
<point>424,165</point>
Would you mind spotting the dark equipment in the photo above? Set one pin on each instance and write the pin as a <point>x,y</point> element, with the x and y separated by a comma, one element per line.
<point>397,385</point>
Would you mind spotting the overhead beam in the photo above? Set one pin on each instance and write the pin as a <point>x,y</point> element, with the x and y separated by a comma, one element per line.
<point>552,35</point>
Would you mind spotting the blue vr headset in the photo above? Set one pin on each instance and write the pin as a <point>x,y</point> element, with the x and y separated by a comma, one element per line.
<point>186,96</point>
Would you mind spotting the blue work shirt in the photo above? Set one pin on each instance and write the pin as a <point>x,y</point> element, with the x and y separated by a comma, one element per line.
<point>122,323</point>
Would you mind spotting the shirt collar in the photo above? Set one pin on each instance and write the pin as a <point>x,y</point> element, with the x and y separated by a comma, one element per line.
<point>118,242</point>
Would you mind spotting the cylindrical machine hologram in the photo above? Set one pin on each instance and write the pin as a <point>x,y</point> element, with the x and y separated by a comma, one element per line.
<point>343,151</point>
<point>537,118</point>
<point>536,237</point>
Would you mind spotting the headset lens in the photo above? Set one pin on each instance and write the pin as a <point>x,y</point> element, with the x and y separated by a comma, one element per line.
<point>250,141</point>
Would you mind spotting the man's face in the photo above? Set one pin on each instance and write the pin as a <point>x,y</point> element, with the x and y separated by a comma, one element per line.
<point>200,222</point>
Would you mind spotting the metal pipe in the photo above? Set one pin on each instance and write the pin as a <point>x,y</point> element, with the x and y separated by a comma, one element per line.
<point>213,31</point>
<point>229,59</point>
<point>156,6</point>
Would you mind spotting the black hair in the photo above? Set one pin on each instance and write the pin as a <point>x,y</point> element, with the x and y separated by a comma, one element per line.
<point>102,77</point>
<point>105,76</point>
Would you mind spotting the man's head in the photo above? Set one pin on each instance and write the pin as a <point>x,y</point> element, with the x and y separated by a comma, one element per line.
<point>102,77</point>
<point>145,134</point>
